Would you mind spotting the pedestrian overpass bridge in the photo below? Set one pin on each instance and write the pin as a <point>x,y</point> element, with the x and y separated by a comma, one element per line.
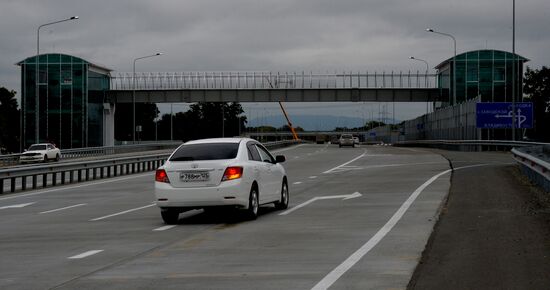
<point>189,87</point>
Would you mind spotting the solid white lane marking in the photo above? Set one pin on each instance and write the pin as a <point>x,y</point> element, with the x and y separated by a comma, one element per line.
<point>313,177</point>
<point>341,165</point>
<point>289,148</point>
<point>335,274</point>
<point>17,205</point>
<point>297,182</point>
<point>122,212</point>
<point>350,167</point>
<point>78,186</point>
<point>344,197</point>
<point>164,228</point>
<point>63,208</point>
<point>85,254</point>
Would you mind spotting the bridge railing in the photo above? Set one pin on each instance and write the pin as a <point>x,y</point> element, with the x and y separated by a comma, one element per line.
<point>270,80</point>
<point>470,145</point>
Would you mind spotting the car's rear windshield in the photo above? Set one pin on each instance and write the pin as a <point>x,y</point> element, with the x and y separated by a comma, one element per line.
<point>347,136</point>
<point>209,151</point>
<point>37,147</point>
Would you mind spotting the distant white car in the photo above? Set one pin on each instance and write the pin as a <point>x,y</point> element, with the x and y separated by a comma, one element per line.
<point>40,153</point>
<point>210,173</point>
<point>356,140</point>
<point>346,140</point>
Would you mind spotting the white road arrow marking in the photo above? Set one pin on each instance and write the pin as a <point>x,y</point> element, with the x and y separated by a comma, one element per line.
<point>17,205</point>
<point>343,197</point>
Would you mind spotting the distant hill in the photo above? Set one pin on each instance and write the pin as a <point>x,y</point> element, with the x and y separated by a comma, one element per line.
<point>309,122</point>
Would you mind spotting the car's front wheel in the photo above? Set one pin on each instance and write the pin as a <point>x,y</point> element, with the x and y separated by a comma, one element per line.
<point>45,158</point>
<point>285,197</point>
<point>57,157</point>
<point>170,216</point>
<point>253,205</point>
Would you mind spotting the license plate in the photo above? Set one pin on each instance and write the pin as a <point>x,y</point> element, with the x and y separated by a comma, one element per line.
<point>194,176</point>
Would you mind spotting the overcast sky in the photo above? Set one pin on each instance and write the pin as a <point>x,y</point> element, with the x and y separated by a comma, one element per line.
<point>266,35</point>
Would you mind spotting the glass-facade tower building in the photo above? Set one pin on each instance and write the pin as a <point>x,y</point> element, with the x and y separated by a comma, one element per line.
<point>71,94</point>
<point>484,73</point>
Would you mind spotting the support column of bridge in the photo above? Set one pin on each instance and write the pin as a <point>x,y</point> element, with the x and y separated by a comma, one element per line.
<point>108,124</point>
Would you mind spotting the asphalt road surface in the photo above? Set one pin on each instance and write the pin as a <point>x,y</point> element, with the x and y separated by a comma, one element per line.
<point>359,218</point>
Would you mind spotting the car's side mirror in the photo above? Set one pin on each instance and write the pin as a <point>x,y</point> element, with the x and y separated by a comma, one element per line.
<point>24,150</point>
<point>280,158</point>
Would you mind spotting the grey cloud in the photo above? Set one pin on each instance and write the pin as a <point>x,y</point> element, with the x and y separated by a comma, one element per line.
<point>268,35</point>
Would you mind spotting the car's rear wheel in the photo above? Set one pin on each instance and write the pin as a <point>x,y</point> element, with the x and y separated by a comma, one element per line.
<point>170,216</point>
<point>285,197</point>
<point>45,158</point>
<point>253,205</point>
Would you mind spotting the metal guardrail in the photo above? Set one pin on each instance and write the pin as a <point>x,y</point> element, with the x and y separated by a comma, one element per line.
<point>72,172</point>
<point>270,80</point>
<point>97,151</point>
<point>470,145</point>
<point>534,165</point>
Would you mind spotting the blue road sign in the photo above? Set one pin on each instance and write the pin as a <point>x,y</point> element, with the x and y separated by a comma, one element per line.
<point>499,115</point>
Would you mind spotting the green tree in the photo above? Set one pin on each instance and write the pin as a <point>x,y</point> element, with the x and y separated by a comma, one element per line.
<point>9,121</point>
<point>537,89</point>
<point>146,113</point>
<point>204,120</point>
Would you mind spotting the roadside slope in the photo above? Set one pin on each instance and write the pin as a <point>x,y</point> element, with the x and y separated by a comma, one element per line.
<point>493,232</point>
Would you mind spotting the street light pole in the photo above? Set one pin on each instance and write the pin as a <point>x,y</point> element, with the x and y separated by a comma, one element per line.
<point>36,93</point>
<point>514,70</point>
<point>134,95</point>
<point>454,60</point>
<point>427,69</point>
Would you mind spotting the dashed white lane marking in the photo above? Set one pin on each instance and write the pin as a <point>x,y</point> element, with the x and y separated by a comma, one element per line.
<point>297,182</point>
<point>335,274</point>
<point>21,205</point>
<point>122,212</point>
<point>341,165</point>
<point>63,208</point>
<point>164,228</point>
<point>313,177</point>
<point>85,254</point>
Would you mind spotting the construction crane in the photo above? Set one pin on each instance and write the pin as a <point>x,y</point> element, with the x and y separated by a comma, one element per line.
<point>294,135</point>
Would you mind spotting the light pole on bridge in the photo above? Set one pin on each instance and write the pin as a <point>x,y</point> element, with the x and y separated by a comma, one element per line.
<point>454,60</point>
<point>37,80</point>
<point>134,94</point>
<point>427,69</point>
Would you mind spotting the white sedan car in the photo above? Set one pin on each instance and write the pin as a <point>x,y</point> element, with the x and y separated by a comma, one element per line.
<point>40,153</point>
<point>209,173</point>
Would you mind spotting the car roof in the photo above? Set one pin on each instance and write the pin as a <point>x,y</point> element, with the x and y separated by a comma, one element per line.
<point>218,140</point>
<point>42,144</point>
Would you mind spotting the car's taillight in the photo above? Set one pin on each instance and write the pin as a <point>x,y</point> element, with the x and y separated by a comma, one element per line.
<point>233,172</point>
<point>161,176</point>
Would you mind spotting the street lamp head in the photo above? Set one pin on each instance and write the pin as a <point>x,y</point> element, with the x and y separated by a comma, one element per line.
<point>74,17</point>
<point>159,53</point>
<point>412,57</point>
<point>430,30</point>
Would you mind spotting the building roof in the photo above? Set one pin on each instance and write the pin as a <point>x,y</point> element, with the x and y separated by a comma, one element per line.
<point>483,55</point>
<point>61,58</point>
